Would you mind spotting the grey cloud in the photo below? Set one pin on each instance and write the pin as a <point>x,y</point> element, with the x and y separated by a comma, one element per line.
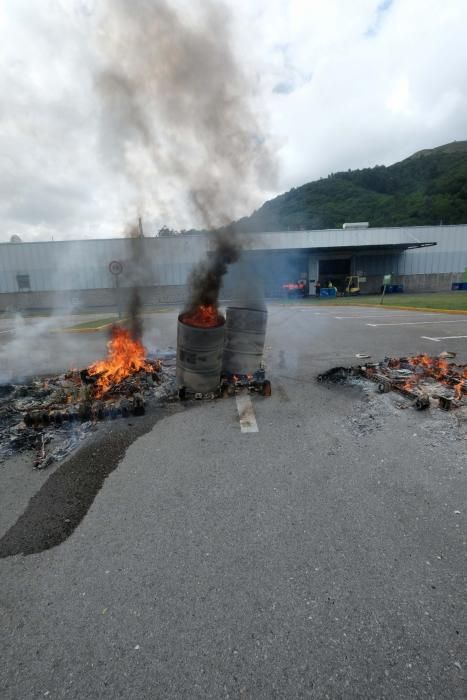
<point>284,88</point>
<point>381,9</point>
<point>292,76</point>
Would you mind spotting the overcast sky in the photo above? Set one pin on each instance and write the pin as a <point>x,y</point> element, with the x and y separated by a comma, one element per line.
<point>336,84</point>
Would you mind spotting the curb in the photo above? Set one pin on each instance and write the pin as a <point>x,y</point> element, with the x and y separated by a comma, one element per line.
<point>405,308</point>
<point>379,306</point>
<point>96,329</point>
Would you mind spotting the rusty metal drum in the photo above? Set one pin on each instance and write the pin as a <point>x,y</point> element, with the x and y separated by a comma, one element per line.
<point>199,357</point>
<point>245,333</point>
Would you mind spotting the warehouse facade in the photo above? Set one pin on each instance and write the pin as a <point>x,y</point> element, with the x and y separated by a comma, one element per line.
<point>76,273</point>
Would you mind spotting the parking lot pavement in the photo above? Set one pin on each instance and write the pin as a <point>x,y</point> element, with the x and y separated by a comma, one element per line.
<point>322,555</point>
<point>383,332</point>
<point>32,345</point>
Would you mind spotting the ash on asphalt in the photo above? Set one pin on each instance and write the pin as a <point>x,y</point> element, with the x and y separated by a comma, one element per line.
<point>59,506</point>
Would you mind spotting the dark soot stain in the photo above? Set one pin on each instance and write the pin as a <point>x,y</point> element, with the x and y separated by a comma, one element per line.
<point>58,507</point>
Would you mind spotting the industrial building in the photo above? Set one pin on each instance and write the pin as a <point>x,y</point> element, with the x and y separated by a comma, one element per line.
<point>78,273</point>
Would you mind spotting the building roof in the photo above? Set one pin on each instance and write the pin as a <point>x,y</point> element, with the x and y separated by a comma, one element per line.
<point>402,237</point>
<point>331,239</point>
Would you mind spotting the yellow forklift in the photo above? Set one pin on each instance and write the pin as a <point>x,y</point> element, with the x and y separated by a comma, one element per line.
<point>352,285</point>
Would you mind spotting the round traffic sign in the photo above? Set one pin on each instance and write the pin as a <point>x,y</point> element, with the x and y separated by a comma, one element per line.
<point>116,267</point>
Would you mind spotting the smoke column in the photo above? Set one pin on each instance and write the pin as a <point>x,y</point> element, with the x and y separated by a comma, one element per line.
<point>179,118</point>
<point>206,277</point>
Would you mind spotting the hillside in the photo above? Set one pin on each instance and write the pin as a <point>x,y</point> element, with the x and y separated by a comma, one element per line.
<point>428,187</point>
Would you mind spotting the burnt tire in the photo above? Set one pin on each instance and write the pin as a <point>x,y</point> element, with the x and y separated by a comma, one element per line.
<point>266,389</point>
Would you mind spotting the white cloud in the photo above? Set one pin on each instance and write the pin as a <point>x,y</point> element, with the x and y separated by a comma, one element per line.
<point>399,97</point>
<point>343,84</point>
<point>375,96</point>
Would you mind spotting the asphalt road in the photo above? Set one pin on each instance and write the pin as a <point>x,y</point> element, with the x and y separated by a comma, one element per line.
<point>322,556</point>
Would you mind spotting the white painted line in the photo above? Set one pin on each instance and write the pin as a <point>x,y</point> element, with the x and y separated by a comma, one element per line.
<point>246,414</point>
<point>415,323</point>
<point>443,337</point>
<point>9,330</point>
<point>401,314</point>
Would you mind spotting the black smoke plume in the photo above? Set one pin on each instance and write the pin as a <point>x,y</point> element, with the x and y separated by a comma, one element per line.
<point>206,277</point>
<point>134,312</point>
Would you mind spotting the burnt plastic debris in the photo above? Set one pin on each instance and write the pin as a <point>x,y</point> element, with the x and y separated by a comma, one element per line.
<point>419,378</point>
<point>63,409</point>
<point>336,374</point>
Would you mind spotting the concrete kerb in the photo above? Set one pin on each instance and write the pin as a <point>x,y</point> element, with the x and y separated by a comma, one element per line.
<point>412,308</point>
<point>104,326</point>
<point>96,329</point>
<point>380,306</point>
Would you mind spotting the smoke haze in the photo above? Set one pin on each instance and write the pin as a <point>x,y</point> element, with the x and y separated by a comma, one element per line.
<point>176,107</point>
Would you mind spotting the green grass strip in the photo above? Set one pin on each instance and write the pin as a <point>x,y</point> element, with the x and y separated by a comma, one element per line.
<point>448,301</point>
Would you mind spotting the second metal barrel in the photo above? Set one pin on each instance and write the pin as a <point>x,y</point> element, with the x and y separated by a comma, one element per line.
<point>199,357</point>
<point>245,332</point>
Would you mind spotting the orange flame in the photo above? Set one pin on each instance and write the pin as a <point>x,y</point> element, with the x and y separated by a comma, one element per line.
<point>203,316</point>
<point>126,356</point>
<point>437,368</point>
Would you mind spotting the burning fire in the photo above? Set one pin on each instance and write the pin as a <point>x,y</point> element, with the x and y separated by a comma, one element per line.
<point>203,316</point>
<point>125,357</point>
<point>436,368</point>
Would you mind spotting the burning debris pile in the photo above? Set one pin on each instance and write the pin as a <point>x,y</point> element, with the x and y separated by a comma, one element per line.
<point>52,415</point>
<point>421,378</point>
<point>126,357</point>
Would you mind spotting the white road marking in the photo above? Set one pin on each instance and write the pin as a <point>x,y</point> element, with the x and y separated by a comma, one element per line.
<point>414,323</point>
<point>9,330</point>
<point>246,414</point>
<point>399,315</point>
<point>442,337</point>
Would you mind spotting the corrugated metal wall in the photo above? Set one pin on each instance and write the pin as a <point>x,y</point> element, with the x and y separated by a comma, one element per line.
<point>85,264</point>
<point>168,261</point>
<point>449,255</point>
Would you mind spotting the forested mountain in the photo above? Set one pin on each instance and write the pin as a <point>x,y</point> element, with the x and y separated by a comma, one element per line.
<point>429,187</point>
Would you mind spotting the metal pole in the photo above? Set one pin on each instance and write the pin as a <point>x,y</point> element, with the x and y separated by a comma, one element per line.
<point>117,291</point>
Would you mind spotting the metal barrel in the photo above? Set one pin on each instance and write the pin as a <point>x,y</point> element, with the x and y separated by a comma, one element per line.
<point>199,357</point>
<point>245,332</point>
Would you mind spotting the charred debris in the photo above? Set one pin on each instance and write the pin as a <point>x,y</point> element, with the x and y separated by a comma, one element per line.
<point>424,380</point>
<point>52,415</point>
